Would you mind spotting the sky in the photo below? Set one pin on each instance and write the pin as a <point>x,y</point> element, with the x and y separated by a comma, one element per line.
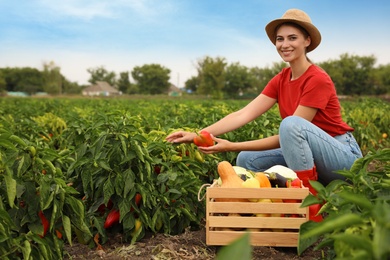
<point>119,35</point>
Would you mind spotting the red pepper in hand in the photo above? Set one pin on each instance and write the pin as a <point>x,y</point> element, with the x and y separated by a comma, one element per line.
<point>204,139</point>
<point>112,218</point>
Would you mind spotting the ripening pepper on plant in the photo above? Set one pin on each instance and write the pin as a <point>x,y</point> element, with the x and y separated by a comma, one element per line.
<point>112,218</point>
<point>45,223</point>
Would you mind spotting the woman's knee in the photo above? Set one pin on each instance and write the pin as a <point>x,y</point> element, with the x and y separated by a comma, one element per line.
<point>290,124</point>
<point>242,159</point>
<point>260,160</point>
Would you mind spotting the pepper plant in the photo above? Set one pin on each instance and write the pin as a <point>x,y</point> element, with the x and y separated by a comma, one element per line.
<point>358,211</point>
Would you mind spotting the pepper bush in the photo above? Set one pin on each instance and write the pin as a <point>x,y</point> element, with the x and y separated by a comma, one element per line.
<point>67,163</point>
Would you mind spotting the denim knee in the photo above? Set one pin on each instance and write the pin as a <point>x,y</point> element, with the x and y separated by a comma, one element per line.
<point>289,125</point>
<point>242,159</point>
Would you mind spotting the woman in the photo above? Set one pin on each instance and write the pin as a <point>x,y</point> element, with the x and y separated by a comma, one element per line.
<point>313,139</point>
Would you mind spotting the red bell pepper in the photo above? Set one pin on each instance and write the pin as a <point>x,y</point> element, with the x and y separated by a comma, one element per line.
<point>112,218</point>
<point>203,139</point>
<point>45,223</point>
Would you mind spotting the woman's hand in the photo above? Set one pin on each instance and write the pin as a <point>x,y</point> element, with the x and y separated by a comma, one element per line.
<point>181,137</point>
<point>221,145</point>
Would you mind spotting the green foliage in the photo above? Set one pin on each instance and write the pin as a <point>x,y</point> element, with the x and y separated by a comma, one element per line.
<point>352,75</point>
<point>26,79</point>
<point>238,249</point>
<point>357,225</point>
<point>151,79</point>
<point>52,78</point>
<point>211,73</point>
<point>77,159</point>
<point>123,82</point>
<point>238,80</point>
<point>102,74</point>
<point>370,119</point>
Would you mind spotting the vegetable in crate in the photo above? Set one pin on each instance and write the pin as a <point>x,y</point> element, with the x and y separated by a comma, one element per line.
<point>229,179</point>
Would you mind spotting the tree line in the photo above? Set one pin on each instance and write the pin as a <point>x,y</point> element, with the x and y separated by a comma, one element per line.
<point>352,75</point>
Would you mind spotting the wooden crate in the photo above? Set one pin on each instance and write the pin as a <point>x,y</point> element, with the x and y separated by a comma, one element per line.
<point>227,221</point>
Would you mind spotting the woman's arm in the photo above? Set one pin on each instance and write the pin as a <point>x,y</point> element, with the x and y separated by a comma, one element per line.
<point>267,143</point>
<point>223,145</point>
<point>235,120</point>
<point>254,109</point>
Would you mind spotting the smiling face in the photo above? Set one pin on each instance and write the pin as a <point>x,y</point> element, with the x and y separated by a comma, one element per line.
<point>291,43</point>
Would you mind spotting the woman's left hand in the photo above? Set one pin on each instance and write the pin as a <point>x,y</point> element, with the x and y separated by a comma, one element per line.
<point>221,145</point>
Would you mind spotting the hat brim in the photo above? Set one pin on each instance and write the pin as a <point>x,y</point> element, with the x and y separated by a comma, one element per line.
<point>314,33</point>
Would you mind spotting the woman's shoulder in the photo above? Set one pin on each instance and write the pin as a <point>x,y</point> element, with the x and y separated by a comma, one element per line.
<point>317,73</point>
<point>318,70</point>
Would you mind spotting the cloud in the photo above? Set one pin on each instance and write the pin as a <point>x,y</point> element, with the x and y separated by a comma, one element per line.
<point>92,9</point>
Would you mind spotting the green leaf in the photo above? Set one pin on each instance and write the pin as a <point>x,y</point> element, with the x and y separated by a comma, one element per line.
<point>124,208</point>
<point>238,249</point>
<point>381,232</point>
<point>381,242</point>
<point>128,179</point>
<point>306,242</point>
<point>354,241</point>
<point>309,200</point>
<point>104,165</point>
<point>128,222</point>
<point>331,224</point>
<point>26,249</point>
<point>357,166</point>
<point>20,163</point>
<point>139,151</point>
<point>358,199</point>
<point>10,183</point>
<point>7,145</point>
<point>317,186</point>
<point>67,228</point>
<point>108,190</point>
<point>124,144</point>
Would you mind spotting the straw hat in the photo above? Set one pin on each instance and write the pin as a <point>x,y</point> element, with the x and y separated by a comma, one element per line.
<point>298,17</point>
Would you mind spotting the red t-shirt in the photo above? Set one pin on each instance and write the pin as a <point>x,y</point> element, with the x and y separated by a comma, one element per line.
<point>313,89</point>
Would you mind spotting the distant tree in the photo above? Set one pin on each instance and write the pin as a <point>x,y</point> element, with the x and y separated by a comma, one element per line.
<point>52,78</point>
<point>29,80</point>
<point>352,75</point>
<point>191,85</point>
<point>152,78</point>
<point>70,87</point>
<point>101,74</point>
<point>261,76</point>
<point>123,82</point>
<point>238,80</point>
<point>382,76</point>
<point>211,76</point>
<point>3,83</point>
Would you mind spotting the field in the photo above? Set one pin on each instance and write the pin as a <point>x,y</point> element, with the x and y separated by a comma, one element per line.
<point>84,178</point>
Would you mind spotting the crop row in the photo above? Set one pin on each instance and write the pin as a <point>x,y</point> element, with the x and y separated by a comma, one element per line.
<point>87,168</point>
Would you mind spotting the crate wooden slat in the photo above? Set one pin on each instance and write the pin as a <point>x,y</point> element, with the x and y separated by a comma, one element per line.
<point>268,223</point>
<point>274,239</point>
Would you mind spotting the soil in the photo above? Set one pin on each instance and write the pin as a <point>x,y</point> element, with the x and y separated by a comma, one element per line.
<point>189,245</point>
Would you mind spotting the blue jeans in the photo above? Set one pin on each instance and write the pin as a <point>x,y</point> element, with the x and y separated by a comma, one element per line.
<point>304,145</point>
